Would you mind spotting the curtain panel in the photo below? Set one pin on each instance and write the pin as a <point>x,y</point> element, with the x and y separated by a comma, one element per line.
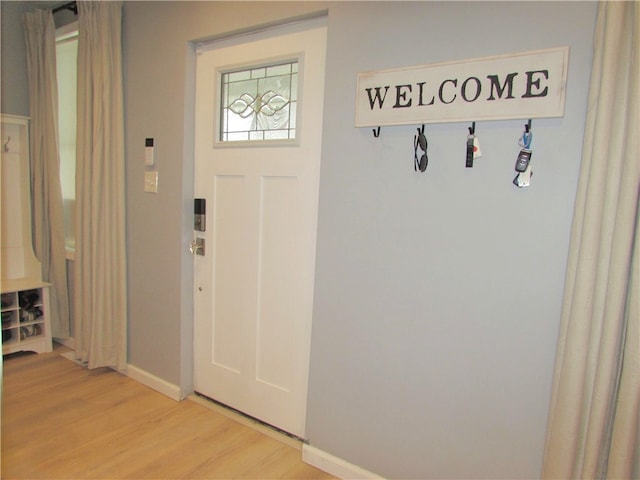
<point>100,262</point>
<point>593,419</point>
<point>46,192</point>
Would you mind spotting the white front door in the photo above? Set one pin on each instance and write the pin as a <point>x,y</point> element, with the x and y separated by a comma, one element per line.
<point>254,283</point>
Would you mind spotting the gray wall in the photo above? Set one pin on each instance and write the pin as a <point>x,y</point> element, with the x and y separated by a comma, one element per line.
<point>438,295</point>
<point>14,88</point>
<point>159,89</point>
<point>14,91</point>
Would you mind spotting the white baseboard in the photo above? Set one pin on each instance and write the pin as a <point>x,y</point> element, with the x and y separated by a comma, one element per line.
<point>72,356</point>
<point>169,389</point>
<point>142,376</point>
<point>335,466</point>
<point>67,342</point>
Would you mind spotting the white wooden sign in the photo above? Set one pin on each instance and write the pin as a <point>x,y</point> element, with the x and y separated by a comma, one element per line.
<point>522,85</point>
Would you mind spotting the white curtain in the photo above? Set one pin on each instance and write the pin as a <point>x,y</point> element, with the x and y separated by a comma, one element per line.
<point>593,429</point>
<point>46,194</point>
<point>100,261</point>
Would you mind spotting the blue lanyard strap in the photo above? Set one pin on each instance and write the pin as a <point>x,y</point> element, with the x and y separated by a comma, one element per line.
<point>527,136</point>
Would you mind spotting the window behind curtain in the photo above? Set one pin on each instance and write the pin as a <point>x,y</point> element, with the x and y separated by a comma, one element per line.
<point>66,63</point>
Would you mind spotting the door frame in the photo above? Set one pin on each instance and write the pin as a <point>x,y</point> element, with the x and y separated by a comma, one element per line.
<point>258,32</point>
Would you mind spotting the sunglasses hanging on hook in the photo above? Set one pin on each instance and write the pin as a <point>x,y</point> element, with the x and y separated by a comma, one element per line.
<point>420,140</point>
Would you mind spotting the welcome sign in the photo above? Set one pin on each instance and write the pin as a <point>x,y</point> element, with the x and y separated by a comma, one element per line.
<point>523,85</point>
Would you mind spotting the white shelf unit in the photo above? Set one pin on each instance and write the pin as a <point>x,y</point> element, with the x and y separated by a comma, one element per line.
<point>26,325</point>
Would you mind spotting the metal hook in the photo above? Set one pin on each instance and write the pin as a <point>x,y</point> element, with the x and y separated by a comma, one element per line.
<point>376,132</point>
<point>472,129</point>
<point>527,126</point>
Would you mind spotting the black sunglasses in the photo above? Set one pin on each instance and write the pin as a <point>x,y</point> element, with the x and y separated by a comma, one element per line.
<point>420,140</point>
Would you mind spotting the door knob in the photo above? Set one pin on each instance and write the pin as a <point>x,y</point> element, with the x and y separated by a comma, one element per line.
<point>197,246</point>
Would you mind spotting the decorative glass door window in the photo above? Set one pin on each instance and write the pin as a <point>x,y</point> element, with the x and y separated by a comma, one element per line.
<point>259,103</point>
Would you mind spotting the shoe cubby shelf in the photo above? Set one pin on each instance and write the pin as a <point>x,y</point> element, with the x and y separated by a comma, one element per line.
<point>25,316</point>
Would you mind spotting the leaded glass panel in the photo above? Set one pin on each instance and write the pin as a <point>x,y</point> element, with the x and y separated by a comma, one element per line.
<point>259,103</point>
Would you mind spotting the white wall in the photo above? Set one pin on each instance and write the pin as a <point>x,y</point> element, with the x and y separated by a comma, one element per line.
<point>438,295</point>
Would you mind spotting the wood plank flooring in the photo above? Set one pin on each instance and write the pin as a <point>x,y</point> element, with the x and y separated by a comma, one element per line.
<point>62,421</point>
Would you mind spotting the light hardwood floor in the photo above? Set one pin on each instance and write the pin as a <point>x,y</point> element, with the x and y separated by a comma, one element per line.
<point>62,421</point>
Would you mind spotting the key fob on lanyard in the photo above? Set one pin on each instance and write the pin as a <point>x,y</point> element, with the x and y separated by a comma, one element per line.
<point>522,162</point>
<point>470,141</point>
<point>523,166</point>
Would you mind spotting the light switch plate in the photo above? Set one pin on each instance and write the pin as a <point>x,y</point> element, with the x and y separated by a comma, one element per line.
<point>151,181</point>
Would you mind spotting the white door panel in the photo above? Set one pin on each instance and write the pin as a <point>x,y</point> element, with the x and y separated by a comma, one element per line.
<point>254,285</point>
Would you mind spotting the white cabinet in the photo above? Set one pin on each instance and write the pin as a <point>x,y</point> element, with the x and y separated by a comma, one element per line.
<point>25,316</point>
